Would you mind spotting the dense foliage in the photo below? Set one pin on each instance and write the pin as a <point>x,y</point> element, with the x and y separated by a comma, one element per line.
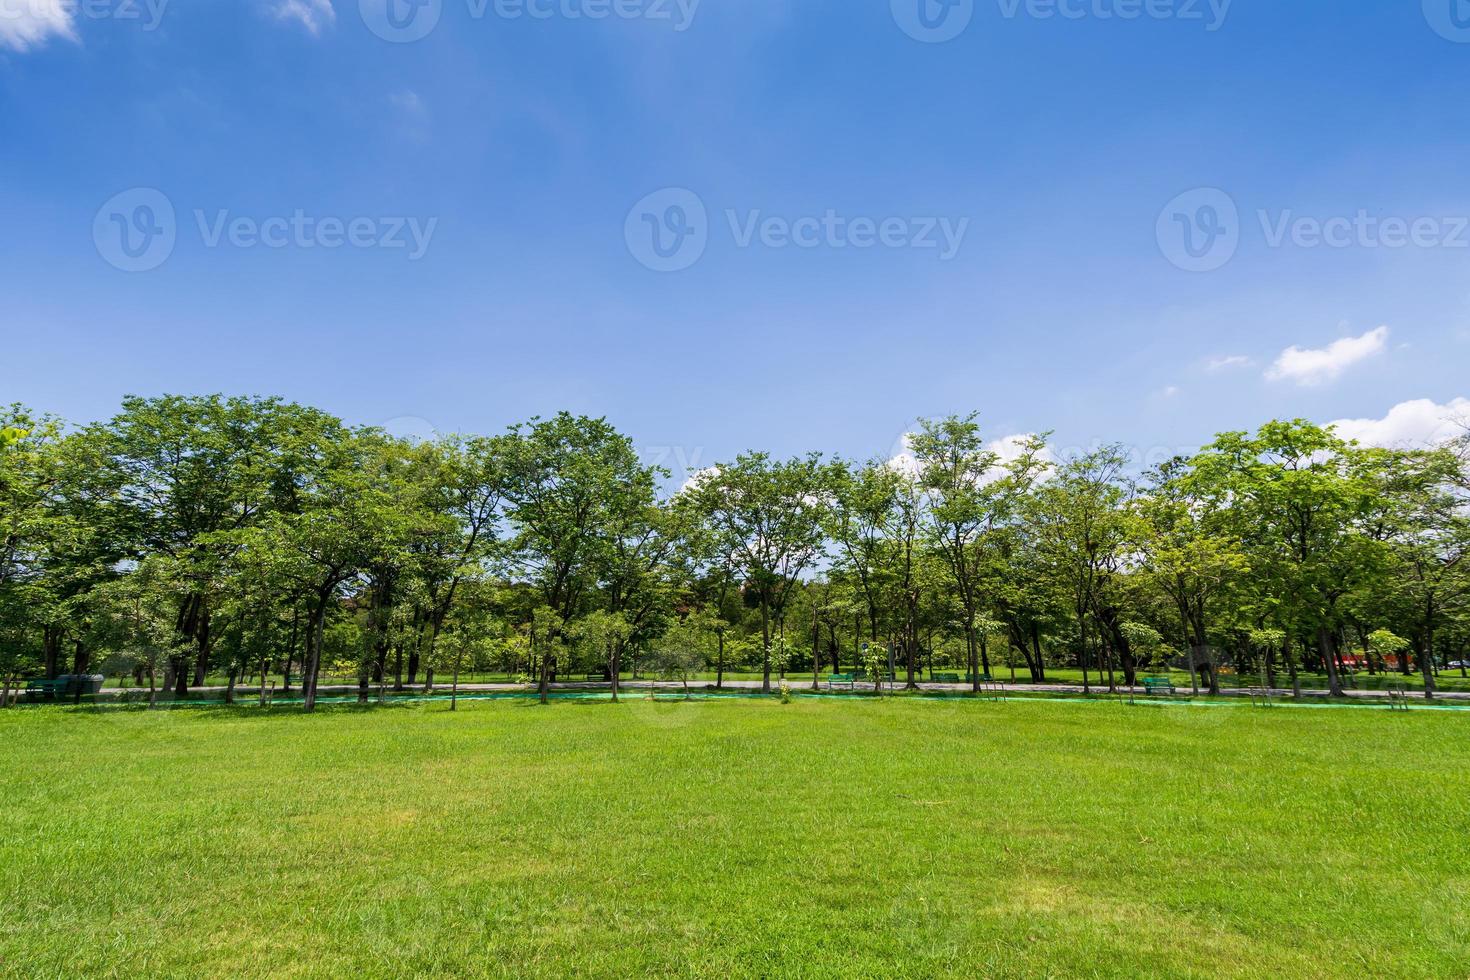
<point>194,539</point>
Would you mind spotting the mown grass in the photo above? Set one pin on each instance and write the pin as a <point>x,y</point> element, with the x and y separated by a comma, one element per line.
<point>846,837</point>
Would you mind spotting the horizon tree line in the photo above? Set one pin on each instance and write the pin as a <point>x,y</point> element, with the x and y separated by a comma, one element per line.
<point>190,538</point>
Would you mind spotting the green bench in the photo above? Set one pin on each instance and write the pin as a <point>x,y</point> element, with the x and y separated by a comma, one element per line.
<point>834,679</point>
<point>65,686</point>
<point>42,689</point>
<point>1159,687</point>
<point>946,679</point>
<point>984,679</point>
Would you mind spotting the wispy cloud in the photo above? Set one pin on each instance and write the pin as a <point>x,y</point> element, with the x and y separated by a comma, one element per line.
<point>1229,362</point>
<point>27,23</point>
<point>1315,366</point>
<point>314,15</point>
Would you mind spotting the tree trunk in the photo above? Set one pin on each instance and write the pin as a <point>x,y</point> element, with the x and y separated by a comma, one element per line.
<point>291,650</point>
<point>205,645</point>
<point>720,660</point>
<point>970,657</point>
<point>765,645</point>
<point>454,687</point>
<point>911,640</point>
<point>816,650</point>
<point>316,625</point>
<point>51,651</point>
<point>1426,662</point>
<point>1291,667</point>
<point>1329,660</point>
<point>617,667</point>
<point>545,684</point>
<point>181,677</point>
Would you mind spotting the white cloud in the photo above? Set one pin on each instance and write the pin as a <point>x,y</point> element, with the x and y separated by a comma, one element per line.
<point>1229,361</point>
<point>311,14</point>
<point>1318,366</point>
<point>26,23</point>
<point>1170,391</point>
<point>699,476</point>
<point>1007,449</point>
<point>1409,424</point>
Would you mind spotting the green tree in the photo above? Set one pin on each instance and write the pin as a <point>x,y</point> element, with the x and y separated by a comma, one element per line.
<point>769,517</point>
<point>1302,496</point>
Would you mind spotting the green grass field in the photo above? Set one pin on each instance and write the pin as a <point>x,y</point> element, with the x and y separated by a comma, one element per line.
<point>828,837</point>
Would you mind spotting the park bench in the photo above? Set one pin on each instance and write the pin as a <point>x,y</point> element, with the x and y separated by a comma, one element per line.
<point>984,679</point>
<point>67,685</point>
<point>834,679</point>
<point>42,689</point>
<point>598,677</point>
<point>1155,687</point>
<point>946,678</point>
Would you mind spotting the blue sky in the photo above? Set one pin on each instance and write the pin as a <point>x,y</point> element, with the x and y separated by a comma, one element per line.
<point>1072,145</point>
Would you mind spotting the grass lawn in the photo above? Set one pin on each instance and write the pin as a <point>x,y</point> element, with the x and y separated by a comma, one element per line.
<point>828,837</point>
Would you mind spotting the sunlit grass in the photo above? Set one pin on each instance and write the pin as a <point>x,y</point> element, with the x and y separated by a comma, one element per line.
<point>825,837</point>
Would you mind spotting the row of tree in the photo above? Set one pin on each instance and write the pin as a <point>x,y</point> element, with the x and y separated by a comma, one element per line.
<point>211,537</point>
